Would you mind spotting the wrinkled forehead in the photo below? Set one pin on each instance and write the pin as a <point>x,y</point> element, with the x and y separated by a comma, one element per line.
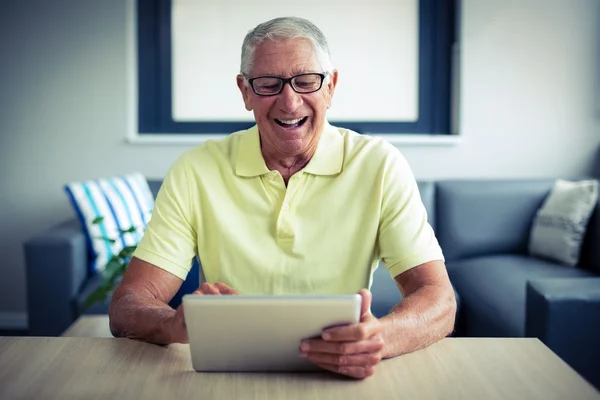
<point>285,58</point>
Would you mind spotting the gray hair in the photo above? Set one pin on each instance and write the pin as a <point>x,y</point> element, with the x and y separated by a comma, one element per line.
<point>285,28</point>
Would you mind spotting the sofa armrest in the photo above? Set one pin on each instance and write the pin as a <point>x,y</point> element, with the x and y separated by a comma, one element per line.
<point>56,266</point>
<point>565,314</point>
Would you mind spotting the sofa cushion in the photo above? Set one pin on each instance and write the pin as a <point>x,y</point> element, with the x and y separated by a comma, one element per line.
<point>154,185</point>
<point>493,288</point>
<point>560,224</point>
<point>122,203</point>
<point>386,293</point>
<point>427,192</point>
<point>487,217</point>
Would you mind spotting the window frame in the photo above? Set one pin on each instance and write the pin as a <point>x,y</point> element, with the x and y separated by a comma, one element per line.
<point>437,31</point>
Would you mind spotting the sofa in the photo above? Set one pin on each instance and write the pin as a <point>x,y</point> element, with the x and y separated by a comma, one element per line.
<point>483,228</point>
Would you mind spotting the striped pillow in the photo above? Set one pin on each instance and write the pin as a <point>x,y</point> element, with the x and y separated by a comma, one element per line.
<point>123,202</point>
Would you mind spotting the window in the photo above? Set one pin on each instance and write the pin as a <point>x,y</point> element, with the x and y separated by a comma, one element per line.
<point>189,50</point>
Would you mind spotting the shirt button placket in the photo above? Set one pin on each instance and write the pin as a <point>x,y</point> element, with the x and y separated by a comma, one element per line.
<point>284,225</point>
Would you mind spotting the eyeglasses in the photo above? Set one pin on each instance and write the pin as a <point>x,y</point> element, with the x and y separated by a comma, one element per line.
<point>273,85</point>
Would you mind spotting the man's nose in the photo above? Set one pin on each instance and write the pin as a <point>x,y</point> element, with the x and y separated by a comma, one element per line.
<point>288,99</point>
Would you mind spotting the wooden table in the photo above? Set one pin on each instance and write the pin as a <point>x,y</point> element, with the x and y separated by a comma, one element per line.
<point>89,326</point>
<point>108,368</point>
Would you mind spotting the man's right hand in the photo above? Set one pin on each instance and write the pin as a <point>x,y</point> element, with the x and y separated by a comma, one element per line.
<point>179,333</point>
<point>217,288</point>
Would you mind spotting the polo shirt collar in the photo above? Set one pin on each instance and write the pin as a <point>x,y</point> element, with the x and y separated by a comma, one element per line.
<point>327,160</point>
<point>249,160</point>
<point>329,156</point>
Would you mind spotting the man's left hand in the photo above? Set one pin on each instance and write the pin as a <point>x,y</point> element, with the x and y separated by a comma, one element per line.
<point>352,350</point>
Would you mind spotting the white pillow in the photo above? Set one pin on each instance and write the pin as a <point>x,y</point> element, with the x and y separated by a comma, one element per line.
<point>560,224</point>
<point>123,202</point>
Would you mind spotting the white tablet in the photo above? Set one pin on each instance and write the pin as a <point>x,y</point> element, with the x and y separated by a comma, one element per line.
<point>261,333</point>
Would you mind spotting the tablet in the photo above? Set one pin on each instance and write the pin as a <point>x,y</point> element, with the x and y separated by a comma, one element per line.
<point>260,333</point>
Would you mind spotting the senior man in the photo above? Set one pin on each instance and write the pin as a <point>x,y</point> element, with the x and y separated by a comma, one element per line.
<point>292,205</point>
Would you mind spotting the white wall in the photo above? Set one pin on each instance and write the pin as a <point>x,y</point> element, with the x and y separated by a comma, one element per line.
<point>530,107</point>
<point>196,97</point>
<point>530,92</point>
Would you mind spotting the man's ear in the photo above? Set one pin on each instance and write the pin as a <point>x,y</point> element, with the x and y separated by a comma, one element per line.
<point>331,84</point>
<point>245,90</point>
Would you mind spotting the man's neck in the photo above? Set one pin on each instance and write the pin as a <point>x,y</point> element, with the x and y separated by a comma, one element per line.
<point>287,165</point>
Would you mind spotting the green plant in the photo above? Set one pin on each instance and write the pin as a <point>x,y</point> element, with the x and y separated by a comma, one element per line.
<point>114,270</point>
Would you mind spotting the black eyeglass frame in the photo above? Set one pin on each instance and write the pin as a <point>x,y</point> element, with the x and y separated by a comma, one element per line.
<point>287,80</point>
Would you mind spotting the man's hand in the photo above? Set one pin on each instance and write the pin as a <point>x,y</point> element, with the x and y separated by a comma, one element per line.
<point>217,288</point>
<point>179,331</point>
<point>352,350</point>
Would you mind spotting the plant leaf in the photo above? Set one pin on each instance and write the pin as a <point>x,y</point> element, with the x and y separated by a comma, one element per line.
<point>104,238</point>
<point>127,252</point>
<point>98,295</point>
<point>116,278</point>
<point>131,229</point>
<point>112,267</point>
<point>98,220</point>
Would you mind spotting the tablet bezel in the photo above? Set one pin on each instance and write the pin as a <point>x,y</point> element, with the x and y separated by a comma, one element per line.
<point>261,332</point>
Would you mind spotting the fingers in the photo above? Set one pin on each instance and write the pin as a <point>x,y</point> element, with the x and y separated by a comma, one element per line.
<point>224,289</point>
<point>207,288</point>
<point>352,350</point>
<point>368,327</point>
<point>367,298</point>
<point>371,345</point>
<point>214,289</point>
<point>353,371</point>
<point>361,359</point>
<point>354,359</point>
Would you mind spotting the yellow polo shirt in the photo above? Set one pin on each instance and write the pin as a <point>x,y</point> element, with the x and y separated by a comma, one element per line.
<point>354,203</point>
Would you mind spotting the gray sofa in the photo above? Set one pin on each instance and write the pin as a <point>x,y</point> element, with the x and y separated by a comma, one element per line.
<point>483,228</point>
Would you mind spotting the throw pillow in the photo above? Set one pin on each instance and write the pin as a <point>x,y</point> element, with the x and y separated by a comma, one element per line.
<point>560,224</point>
<point>122,202</point>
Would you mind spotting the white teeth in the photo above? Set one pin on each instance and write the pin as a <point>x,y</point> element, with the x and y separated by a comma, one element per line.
<point>289,121</point>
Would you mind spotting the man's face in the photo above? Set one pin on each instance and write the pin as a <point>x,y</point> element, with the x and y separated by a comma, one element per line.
<point>289,123</point>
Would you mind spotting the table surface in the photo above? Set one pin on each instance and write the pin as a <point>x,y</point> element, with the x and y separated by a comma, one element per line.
<point>102,367</point>
<point>89,326</point>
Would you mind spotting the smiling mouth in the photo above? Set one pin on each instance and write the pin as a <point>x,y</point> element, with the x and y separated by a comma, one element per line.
<point>291,123</point>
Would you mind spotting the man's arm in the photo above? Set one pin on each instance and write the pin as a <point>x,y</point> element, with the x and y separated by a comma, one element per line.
<point>139,308</point>
<point>425,315</point>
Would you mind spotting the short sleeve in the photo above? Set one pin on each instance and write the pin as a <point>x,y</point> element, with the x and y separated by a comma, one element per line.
<point>170,240</point>
<point>405,239</point>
